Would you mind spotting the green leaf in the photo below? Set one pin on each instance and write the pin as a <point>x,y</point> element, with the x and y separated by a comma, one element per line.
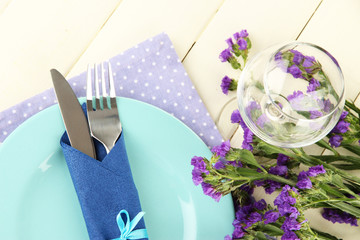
<point>247,157</point>
<point>346,208</point>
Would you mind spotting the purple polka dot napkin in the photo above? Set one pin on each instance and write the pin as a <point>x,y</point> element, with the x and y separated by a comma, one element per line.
<point>150,72</point>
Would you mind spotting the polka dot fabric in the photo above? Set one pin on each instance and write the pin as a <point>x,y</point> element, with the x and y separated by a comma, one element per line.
<point>150,72</point>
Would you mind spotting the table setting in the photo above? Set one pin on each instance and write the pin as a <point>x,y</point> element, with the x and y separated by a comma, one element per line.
<point>214,132</point>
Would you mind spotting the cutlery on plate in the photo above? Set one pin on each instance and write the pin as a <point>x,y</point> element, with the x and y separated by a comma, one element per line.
<point>103,115</point>
<point>73,116</point>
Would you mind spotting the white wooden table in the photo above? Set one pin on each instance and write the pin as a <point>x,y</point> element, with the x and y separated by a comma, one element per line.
<point>39,35</point>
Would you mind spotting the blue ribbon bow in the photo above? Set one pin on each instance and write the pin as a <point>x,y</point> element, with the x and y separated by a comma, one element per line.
<point>126,230</point>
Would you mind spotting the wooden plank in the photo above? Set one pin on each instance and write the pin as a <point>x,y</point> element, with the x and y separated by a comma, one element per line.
<point>268,22</point>
<point>335,28</point>
<point>38,35</point>
<point>136,20</point>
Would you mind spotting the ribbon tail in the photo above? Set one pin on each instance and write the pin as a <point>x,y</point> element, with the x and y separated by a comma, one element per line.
<point>138,234</point>
<point>136,220</point>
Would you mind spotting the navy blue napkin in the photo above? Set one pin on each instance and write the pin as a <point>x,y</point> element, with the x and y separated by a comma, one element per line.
<point>104,187</point>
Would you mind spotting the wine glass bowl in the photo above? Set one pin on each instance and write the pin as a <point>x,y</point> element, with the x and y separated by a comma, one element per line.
<point>291,95</point>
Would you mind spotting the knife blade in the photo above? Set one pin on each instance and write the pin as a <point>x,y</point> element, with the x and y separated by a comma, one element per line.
<point>73,116</point>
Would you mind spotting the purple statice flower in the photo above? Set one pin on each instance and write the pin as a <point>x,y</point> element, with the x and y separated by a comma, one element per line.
<point>222,149</point>
<point>238,232</point>
<point>315,114</point>
<point>236,117</point>
<point>253,218</point>
<point>210,191</point>
<point>225,55</point>
<point>243,33</point>
<point>252,106</point>
<point>271,216</point>
<point>199,163</point>
<point>284,197</point>
<point>228,237</point>
<point>304,181</point>
<point>316,170</point>
<point>235,163</point>
<point>341,127</point>
<point>338,216</point>
<point>282,159</point>
<point>313,85</point>
<point>197,176</point>
<point>242,44</point>
<point>295,71</point>
<point>297,95</point>
<point>225,84</point>
<point>219,165</point>
<point>298,57</point>
<point>335,140</point>
<point>289,235</point>
<point>260,205</point>
<point>291,224</point>
<point>308,61</point>
<point>248,139</point>
<point>278,170</point>
<point>278,56</point>
<point>262,120</point>
<point>288,211</point>
<point>230,42</point>
<point>343,115</point>
<point>271,186</point>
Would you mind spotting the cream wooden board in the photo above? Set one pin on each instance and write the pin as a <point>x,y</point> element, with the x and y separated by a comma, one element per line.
<point>40,34</point>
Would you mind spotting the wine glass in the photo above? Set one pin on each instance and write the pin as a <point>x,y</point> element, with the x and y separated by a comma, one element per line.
<point>291,95</point>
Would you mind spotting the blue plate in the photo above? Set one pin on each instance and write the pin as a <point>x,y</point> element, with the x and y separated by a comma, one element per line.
<point>38,200</point>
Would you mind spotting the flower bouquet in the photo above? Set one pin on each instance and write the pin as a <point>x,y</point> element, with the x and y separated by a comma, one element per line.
<point>323,183</point>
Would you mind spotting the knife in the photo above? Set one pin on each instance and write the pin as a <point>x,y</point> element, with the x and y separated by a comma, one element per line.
<point>73,116</point>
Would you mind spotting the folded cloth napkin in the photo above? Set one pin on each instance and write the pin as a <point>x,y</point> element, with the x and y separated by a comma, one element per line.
<point>104,187</point>
<point>150,72</point>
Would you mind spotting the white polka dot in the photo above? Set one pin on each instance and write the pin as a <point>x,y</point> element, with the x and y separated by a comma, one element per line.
<point>185,73</point>
<point>139,70</point>
<point>25,115</point>
<point>114,74</point>
<point>132,91</point>
<point>197,110</point>
<point>14,111</point>
<point>136,46</point>
<point>154,63</point>
<point>212,137</point>
<point>215,127</point>
<point>175,104</point>
<point>172,80</point>
<point>175,70</point>
<point>44,97</point>
<point>161,43</point>
<point>121,87</point>
<point>135,81</point>
<point>157,53</point>
<point>200,101</point>
<point>182,118</point>
<point>179,94</point>
<point>150,73</point>
<point>146,84</point>
<point>5,133</point>
<point>29,104</point>
<point>150,39</point>
<point>9,122</point>
<point>164,67</point>
<point>207,114</point>
<point>128,66</point>
<point>160,77</point>
<point>143,60</point>
<point>182,84</point>
<point>186,107</point>
<point>124,77</point>
<point>201,134</point>
<point>193,121</point>
<point>153,98</point>
<point>118,63</point>
<point>204,124</point>
<point>178,60</point>
<point>171,46</point>
<point>84,87</point>
<point>157,87</point>
<point>168,56</point>
<point>168,90</point>
<point>146,49</point>
<point>190,97</point>
<point>192,87</point>
<point>132,56</point>
<point>143,94</point>
<point>164,101</point>
<point>40,108</point>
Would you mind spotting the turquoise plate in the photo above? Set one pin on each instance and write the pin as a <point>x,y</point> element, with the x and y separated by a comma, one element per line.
<point>38,200</point>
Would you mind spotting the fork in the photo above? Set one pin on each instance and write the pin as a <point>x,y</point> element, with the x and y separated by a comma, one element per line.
<point>103,115</point>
